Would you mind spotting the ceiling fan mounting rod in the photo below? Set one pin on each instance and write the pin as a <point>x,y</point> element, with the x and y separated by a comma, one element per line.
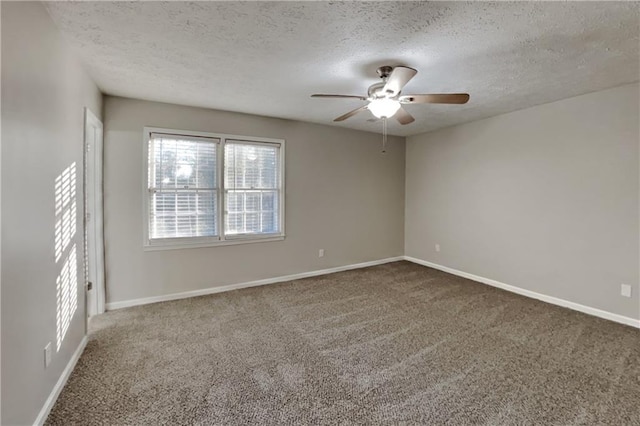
<point>384,71</point>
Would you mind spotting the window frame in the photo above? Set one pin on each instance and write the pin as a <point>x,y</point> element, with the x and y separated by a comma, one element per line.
<point>222,239</point>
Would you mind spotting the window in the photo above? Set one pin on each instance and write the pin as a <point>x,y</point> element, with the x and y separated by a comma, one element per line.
<point>252,188</point>
<point>211,189</point>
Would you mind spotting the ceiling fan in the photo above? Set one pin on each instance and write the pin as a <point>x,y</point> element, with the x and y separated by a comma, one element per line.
<point>385,98</point>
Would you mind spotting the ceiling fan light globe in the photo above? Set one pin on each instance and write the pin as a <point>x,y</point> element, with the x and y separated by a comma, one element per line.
<point>384,107</point>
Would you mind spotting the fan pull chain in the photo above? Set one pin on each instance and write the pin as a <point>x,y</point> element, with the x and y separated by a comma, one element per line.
<point>384,134</point>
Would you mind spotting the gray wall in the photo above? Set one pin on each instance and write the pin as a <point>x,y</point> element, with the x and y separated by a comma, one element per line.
<point>44,91</point>
<point>342,195</point>
<point>545,199</point>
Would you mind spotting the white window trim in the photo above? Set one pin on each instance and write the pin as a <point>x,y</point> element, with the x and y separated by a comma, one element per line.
<point>222,240</point>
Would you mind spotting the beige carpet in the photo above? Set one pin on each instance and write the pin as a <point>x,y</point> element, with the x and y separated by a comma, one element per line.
<point>391,344</point>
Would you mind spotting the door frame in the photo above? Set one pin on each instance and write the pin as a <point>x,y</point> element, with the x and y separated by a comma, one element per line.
<point>93,215</point>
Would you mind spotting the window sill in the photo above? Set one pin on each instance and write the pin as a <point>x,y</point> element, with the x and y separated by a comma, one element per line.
<point>204,244</point>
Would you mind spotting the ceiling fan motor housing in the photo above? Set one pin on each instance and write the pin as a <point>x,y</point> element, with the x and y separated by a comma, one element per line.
<point>376,90</point>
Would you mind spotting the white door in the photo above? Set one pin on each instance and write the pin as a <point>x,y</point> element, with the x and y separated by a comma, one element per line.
<point>93,214</point>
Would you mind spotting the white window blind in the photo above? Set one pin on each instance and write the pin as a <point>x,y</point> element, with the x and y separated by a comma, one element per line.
<point>252,187</point>
<point>183,187</point>
<point>207,189</point>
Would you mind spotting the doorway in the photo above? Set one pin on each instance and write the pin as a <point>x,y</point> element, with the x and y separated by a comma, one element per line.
<point>93,222</point>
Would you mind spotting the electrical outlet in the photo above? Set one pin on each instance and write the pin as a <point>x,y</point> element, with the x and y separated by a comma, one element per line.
<point>625,290</point>
<point>321,253</point>
<point>438,248</point>
<point>47,355</point>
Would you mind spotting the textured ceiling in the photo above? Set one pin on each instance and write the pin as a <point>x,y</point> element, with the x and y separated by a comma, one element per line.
<point>267,57</point>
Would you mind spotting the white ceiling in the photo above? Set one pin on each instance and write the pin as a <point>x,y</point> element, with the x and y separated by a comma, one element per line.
<point>266,58</point>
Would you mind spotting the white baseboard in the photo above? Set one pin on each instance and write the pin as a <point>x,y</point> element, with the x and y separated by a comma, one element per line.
<point>543,297</point>
<point>53,396</point>
<point>528,293</point>
<point>212,290</point>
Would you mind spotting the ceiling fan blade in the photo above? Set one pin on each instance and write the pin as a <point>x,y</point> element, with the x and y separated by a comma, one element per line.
<point>439,98</point>
<point>403,116</point>
<point>319,95</point>
<point>351,113</point>
<point>397,80</point>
